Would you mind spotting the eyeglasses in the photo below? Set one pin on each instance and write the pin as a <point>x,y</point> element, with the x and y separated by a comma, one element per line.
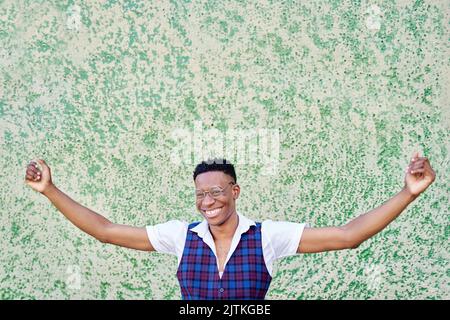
<point>214,192</point>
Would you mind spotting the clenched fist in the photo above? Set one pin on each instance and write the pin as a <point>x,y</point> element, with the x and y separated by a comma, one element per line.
<point>39,180</point>
<point>419,175</point>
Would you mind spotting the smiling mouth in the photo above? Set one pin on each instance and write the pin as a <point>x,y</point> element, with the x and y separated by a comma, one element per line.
<point>212,213</point>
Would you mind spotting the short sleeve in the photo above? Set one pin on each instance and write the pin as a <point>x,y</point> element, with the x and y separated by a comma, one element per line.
<point>168,237</point>
<point>281,238</point>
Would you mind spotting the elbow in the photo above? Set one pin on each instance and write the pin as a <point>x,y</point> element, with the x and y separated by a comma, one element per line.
<point>103,234</point>
<point>354,245</point>
<point>351,241</point>
<point>102,239</point>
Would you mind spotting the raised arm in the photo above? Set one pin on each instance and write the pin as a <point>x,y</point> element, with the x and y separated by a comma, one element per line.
<point>85,219</point>
<point>419,175</point>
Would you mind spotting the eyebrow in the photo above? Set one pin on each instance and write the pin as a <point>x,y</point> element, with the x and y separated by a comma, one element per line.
<point>210,188</point>
<point>230,182</point>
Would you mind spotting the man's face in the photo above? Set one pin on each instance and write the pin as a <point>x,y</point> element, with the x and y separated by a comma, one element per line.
<point>217,209</point>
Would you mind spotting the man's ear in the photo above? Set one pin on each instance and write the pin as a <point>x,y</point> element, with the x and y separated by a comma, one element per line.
<point>236,191</point>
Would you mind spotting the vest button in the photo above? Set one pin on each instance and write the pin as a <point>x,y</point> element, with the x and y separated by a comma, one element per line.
<point>221,290</point>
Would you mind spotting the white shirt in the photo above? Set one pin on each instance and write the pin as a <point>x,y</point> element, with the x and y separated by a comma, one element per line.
<point>279,238</point>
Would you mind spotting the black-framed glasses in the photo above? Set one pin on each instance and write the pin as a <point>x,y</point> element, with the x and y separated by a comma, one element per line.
<point>213,192</point>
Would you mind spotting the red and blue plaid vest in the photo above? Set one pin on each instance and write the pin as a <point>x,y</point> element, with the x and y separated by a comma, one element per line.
<point>245,276</point>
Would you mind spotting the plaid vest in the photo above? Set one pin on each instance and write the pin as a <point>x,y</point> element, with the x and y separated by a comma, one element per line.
<point>245,276</point>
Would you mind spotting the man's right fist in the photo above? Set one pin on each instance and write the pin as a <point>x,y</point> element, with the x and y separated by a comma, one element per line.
<point>37,179</point>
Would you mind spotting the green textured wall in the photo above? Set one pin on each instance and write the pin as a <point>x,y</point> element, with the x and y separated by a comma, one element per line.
<point>97,88</point>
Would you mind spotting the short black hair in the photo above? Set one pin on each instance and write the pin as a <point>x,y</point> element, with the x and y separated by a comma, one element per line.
<point>216,164</point>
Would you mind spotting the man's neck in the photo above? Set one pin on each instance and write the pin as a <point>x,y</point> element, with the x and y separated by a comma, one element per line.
<point>225,231</point>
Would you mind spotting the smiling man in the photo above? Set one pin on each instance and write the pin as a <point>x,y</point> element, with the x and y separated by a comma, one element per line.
<point>227,255</point>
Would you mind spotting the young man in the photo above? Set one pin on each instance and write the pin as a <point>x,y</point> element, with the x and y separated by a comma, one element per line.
<point>228,256</point>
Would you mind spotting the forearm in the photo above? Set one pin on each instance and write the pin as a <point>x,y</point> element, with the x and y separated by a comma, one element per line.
<point>372,222</point>
<point>82,217</point>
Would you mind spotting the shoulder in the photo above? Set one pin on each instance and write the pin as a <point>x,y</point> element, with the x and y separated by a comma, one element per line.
<point>168,230</point>
<point>171,225</point>
<point>282,231</point>
<point>168,237</point>
<point>280,226</point>
<point>282,236</point>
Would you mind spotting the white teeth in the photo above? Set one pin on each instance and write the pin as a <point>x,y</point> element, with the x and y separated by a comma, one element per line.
<point>213,212</point>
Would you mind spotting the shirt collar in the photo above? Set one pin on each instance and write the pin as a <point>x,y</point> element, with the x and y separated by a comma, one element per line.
<point>202,229</point>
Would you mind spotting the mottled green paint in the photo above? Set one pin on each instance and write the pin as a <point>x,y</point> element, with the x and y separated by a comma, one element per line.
<point>99,103</point>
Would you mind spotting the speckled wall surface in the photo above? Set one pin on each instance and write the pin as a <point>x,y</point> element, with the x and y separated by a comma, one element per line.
<point>97,88</point>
